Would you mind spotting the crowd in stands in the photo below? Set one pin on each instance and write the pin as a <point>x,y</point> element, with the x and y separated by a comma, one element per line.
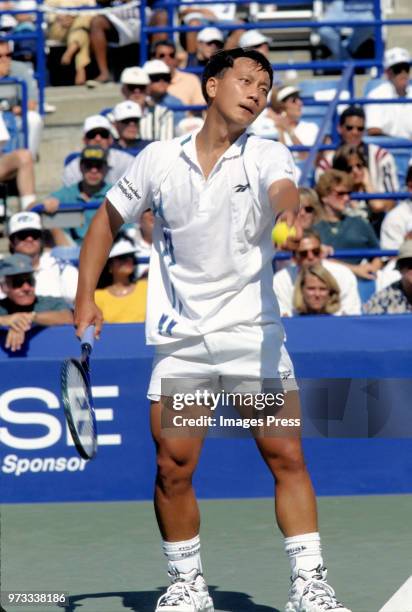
<point>152,101</point>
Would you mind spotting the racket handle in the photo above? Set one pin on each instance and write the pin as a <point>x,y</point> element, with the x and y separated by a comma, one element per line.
<point>88,337</point>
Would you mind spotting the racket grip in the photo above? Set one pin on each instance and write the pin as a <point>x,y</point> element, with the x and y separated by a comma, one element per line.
<point>88,336</point>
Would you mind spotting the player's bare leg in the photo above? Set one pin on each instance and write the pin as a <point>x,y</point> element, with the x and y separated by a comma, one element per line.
<point>178,517</point>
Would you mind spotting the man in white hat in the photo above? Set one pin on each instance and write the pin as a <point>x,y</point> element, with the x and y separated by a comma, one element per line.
<point>97,130</point>
<point>53,276</point>
<point>209,41</point>
<point>126,118</point>
<point>393,119</point>
<point>134,81</point>
<point>160,79</point>
<point>253,39</point>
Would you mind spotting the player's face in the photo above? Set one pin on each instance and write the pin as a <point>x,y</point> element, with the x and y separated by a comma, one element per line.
<point>27,242</point>
<point>241,94</point>
<point>20,289</point>
<point>315,293</point>
<point>352,130</point>
<point>308,252</point>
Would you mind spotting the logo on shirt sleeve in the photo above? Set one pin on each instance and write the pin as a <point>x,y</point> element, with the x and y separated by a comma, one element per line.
<point>128,189</point>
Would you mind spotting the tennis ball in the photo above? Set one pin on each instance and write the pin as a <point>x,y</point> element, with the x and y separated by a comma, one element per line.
<point>281,232</point>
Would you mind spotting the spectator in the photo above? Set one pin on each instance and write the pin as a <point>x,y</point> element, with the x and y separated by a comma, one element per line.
<point>157,122</point>
<point>208,42</point>
<point>316,292</point>
<point>135,81</point>
<point>397,298</point>
<point>309,253</point>
<point>97,131</point>
<point>253,39</point>
<point>92,187</point>
<point>73,31</point>
<point>21,308</point>
<point>395,120</point>
<point>398,222</point>
<point>9,94</point>
<point>184,86</point>
<point>17,165</point>
<point>341,231</point>
<point>350,159</point>
<point>53,277</point>
<point>120,26</point>
<point>310,210</point>
<point>381,163</point>
<point>283,120</point>
<point>359,40</point>
<point>160,79</point>
<point>120,297</point>
<point>127,116</point>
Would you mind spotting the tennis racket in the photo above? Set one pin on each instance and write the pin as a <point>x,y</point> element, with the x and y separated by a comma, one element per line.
<point>77,398</point>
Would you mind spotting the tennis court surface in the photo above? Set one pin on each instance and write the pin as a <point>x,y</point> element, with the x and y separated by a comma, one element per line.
<point>107,556</point>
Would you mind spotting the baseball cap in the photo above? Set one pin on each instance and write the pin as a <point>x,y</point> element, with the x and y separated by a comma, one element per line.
<point>396,55</point>
<point>127,110</point>
<point>94,153</point>
<point>134,75</point>
<point>210,35</point>
<point>156,66</point>
<point>94,122</point>
<point>252,38</point>
<point>122,247</point>
<point>285,92</point>
<point>405,252</point>
<point>15,264</point>
<point>24,220</point>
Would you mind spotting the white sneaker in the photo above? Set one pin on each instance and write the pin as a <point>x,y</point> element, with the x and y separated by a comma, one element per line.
<point>309,592</point>
<point>187,593</point>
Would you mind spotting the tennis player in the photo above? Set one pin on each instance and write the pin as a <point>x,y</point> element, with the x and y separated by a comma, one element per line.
<point>212,314</point>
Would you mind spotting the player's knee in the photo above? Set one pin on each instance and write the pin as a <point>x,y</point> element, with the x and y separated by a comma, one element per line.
<point>289,461</point>
<point>173,477</point>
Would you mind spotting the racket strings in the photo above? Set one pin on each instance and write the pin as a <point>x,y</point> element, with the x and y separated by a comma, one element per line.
<point>80,407</point>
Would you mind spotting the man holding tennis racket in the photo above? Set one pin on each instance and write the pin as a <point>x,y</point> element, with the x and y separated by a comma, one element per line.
<point>212,314</point>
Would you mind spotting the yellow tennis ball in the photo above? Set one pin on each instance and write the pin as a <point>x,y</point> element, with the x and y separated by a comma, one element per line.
<point>281,232</point>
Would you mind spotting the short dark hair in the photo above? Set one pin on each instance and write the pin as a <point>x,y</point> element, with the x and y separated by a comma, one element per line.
<point>342,154</point>
<point>222,60</point>
<point>161,43</point>
<point>352,111</point>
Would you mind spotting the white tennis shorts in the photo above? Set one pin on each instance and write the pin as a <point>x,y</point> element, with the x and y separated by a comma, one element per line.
<point>240,359</point>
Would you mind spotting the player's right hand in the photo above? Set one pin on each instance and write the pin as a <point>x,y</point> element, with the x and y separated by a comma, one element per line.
<point>87,313</point>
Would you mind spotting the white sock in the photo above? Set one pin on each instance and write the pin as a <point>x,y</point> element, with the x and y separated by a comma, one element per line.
<point>304,551</point>
<point>27,200</point>
<point>183,556</point>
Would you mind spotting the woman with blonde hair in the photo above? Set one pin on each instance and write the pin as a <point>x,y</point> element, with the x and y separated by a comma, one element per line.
<point>316,292</point>
<point>310,211</point>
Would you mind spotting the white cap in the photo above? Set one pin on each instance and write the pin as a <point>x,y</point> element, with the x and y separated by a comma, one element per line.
<point>127,110</point>
<point>122,247</point>
<point>94,122</point>
<point>209,35</point>
<point>24,220</point>
<point>252,38</point>
<point>134,76</point>
<point>285,92</point>
<point>156,67</point>
<point>396,55</point>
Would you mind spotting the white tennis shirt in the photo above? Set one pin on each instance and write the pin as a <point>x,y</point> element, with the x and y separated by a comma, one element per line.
<point>210,266</point>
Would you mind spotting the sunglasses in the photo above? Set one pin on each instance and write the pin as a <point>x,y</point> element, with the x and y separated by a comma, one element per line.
<point>340,194</point>
<point>352,128</point>
<point>133,86</point>
<point>172,54</point>
<point>156,78</point>
<point>98,132</point>
<point>305,252</point>
<point>89,164</point>
<point>124,257</point>
<point>19,280</point>
<point>308,209</point>
<point>398,68</point>
<point>129,120</point>
<point>216,43</point>
<point>29,233</point>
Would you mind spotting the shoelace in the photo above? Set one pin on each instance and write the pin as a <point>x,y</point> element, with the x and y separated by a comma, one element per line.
<point>322,593</point>
<point>179,592</point>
